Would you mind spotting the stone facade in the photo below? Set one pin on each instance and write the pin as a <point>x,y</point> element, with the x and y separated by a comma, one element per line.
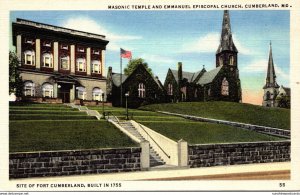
<point>75,162</point>
<point>238,153</point>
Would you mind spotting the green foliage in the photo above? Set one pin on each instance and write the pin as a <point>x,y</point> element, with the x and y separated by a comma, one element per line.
<point>133,64</point>
<point>283,101</point>
<point>15,81</point>
<point>238,112</point>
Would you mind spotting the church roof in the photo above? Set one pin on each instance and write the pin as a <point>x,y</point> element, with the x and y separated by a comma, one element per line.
<point>226,41</point>
<point>116,78</point>
<point>271,76</point>
<point>190,76</point>
<point>287,90</point>
<point>209,76</point>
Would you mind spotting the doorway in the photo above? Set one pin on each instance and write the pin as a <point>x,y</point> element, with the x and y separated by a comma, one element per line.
<point>63,90</point>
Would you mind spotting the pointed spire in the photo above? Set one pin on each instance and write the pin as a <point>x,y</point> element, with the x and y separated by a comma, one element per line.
<point>226,42</point>
<point>271,76</point>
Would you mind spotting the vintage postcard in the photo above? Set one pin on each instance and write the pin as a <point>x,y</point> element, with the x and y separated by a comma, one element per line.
<point>150,96</point>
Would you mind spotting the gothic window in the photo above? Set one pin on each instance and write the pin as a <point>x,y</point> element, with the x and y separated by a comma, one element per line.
<point>268,95</point>
<point>221,60</point>
<point>29,88</point>
<point>196,93</point>
<point>64,62</point>
<point>142,90</point>
<point>81,93</point>
<point>225,87</point>
<point>47,90</point>
<point>231,60</point>
<point>97,94</point>
<point>170,89</point>
<point>96,66</point>
<point>47,60</point>
<point>29,57</point>
<point>80,65</point>
<point>183,90</point>
<point>209,91</point>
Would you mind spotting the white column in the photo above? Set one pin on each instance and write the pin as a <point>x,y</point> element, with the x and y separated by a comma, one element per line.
<point>37,53</point>
<point>55,90</point>
<point>182,153</point>
<point>145,155</point>
<point>72,59</point>
<point>55,56</point>
<point>103,62</point>
<point>88,61</point>
<point>19,47</point>
<point>72,94</point>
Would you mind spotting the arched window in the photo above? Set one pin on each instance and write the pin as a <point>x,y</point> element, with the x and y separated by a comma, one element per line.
<point>225,87</point>
<point>170,89</point>
<point>64,62</point>
<point>47,90</point>
<point>47,60</point>
<point>231,60</point>
<point>142,90</point>
<point>96,66</point>
<point>221,60</point>
<point>81,65</point>
<point>196,93</point>
<point>29,57</point>
<point>268,95</point>
<point>29,88</point>
<point>81,93</point>
<point>97,94</point>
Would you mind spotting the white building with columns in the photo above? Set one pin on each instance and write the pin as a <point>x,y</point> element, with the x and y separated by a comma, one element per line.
<point>60,64</point>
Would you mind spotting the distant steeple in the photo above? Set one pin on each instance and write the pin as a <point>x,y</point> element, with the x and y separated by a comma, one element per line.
<point>271,76</point>
<point>226,42</point>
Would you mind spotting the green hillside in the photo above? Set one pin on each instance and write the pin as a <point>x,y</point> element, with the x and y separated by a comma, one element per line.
<point>238,112</point>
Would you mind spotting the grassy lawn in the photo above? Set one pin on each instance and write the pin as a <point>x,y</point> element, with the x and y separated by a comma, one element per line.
<point>44,127</point>
<point>177,128</point>
<point>245,113</point>
<point>25,136</point>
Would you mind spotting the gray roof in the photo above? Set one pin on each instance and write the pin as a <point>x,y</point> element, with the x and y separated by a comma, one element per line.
<point>209,76</point>
<point>190,76</point>
<point>287,90</point>
<point>156,79</point>
<point>116,78</point>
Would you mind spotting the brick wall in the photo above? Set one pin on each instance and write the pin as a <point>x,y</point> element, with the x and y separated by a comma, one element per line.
<point>238,153</point>
<point>58,163</point>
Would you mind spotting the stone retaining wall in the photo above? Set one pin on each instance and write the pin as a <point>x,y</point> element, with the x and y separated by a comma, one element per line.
<point>78,162</point>
<point>262,129</point>
<point>238,153</point>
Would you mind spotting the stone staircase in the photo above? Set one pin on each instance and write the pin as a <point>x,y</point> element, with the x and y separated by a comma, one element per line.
<point>155,159</point>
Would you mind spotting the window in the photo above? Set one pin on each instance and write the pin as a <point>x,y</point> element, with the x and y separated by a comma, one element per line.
<point>268,95</point>
<point>80,49</point>
<point>221,60</point>
<point>96,66</point>
<point>47,90</point>
<point>64,46</point>
<point>196,93</point>
<point>81,93</point>
<point>64,62</point>
<point>97,94</point>
<point>170,89</point>
<point>47,43</point>
<point>80,62</point>
<point>47,60</point>
<point>96,51</point>
<point>29,88</point>
<point>30,41</point>
<point>142,90</point>
<point>231,60</point>
<point>29,57</point>
<point>225,87</point>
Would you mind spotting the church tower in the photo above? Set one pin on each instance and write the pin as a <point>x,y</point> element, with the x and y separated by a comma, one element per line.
<point>271,87</point>
<point>227,58</point>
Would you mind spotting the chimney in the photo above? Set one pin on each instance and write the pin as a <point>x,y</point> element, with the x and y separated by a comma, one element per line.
<point>179,72</point>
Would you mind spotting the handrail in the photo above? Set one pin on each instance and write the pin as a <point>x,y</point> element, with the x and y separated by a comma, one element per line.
<point>154,141</point>
<point>113,116</point>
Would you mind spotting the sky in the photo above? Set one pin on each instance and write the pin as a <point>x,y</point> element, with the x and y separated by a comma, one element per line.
<point>164,38</point>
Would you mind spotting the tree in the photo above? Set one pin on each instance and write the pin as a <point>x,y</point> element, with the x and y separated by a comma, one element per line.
<point>283,101</point>
<point>133,64</point>
<point>15,80</point>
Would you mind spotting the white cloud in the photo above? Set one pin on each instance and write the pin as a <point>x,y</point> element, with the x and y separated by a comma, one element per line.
<point>262,66</point>
<point>210,43</point>
<point>87,24</point>
<point>157,58</point>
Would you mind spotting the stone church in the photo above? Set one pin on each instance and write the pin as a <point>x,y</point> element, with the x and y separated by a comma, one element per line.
<point>220,84</point>
<point>274,95</point>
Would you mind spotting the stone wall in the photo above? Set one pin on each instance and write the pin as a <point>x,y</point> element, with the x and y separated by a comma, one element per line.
<point>238,153</point>
<point>75,162</point>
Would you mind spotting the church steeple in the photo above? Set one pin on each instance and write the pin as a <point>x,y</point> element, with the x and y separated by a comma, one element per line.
<point>271,76</point>
<point>226,42</point>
